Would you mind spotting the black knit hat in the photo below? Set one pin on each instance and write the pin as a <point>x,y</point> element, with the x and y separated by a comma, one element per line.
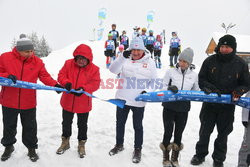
<point>228,40</point>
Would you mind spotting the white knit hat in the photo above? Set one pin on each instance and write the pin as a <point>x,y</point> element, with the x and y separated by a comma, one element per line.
<point>137,43</point>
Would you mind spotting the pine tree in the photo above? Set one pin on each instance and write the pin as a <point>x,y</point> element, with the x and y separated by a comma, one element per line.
<point>45,50</point>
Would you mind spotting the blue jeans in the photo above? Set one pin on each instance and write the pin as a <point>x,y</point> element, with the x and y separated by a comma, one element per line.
<point>121,118</point>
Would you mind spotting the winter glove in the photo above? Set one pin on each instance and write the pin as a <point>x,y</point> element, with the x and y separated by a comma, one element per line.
<point>126,53</point>
<point>236,95</point>
<point>77,94</point>
<point>143,92</point>
<point>245,123</point>
<point>13,78</point>
<point>207,91</point>
<point>173,89</point>
<point>58,86</point>
<point>68,86</point>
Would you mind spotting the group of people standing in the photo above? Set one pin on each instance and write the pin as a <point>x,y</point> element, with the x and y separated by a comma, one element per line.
<point>222,73</point>
<point>152,44</point>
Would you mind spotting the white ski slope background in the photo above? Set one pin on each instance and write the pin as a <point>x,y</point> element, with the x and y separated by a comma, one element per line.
<point>101,126</point>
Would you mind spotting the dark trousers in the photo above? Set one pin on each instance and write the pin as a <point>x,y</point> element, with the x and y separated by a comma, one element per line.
<point>121,118</point>
<point>150,48</point>
<point>173,119</point>
<point>29,131</point>
<point>82,124</point>
<point>223,119</point>
<point>173,56</point>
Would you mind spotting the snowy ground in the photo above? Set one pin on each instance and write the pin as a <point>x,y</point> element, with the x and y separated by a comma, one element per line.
<point>101,132</point>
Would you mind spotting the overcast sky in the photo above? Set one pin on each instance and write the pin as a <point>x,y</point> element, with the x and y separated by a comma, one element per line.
<point>63,22</point>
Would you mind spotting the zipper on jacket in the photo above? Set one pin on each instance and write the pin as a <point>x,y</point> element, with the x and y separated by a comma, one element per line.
<point>75,88</point>
<point>19,95</point>
<point>183,76</point>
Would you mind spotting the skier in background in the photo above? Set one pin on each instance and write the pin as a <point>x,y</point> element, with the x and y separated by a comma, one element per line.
<point>157,51</point>
<point>115,35</point>
<point>136,32</point>
<point>149,43</point>
<point>174,48</point>
<point>109,51</point>
<point>124,40</point>
<point>175,114</point>
<point>143,34</point>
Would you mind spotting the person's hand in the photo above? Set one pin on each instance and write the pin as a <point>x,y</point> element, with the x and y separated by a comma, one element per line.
<point>126,53</point>
<point>77,94</point>
<point>68,86</point>
<point>173,89</point>
<point>143,92</point>
<point>245,124</point>
<point>236,95</point>
<point>13,78</point>
<point>207,91</point>
<point>59,86</point>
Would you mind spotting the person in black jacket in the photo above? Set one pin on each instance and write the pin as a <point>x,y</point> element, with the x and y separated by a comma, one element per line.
<point>221,73</point>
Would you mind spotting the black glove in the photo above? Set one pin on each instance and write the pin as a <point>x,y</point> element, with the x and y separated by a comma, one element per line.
<point>173,89</point>
<point>13,78</point>
<point>245,123</point>
<point>58,86</point>
<point>68,86</point>
<point>77,94</point>
<point>143,92</point>
<point>126,53</point>
<point>207,91</point>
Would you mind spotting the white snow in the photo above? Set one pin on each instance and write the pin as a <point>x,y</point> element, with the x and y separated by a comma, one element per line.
<point>101,124</point>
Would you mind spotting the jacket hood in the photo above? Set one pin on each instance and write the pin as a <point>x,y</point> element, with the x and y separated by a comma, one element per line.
<point>84,50</point>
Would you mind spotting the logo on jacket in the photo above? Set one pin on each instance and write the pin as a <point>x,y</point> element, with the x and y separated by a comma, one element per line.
<point>145,65</point>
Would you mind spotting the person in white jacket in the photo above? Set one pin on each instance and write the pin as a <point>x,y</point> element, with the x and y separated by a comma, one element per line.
<point>244,153</point>
<point>138,74</point>
<point>175,114</point>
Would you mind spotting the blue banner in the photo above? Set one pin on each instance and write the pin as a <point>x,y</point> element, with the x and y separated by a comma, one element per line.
<point>185,95</point>
<point>29,85</point>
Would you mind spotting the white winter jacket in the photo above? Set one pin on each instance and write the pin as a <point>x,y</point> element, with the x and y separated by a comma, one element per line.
<point>245,111</point>
<point>184,81</point>
<point>136,76</point>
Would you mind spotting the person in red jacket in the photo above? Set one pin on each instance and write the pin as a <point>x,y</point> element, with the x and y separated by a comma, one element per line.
<point>78,73</point>
<point>21,64</point>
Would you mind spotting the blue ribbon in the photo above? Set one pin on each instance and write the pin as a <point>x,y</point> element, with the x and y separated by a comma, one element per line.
<point>29,85</point>
<point>186,95</point>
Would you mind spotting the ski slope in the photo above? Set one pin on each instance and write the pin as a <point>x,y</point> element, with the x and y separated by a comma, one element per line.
<point>101,132</point>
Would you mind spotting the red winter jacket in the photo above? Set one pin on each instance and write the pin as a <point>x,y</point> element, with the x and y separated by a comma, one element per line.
<point>87,77</point>
<point>25,69</point>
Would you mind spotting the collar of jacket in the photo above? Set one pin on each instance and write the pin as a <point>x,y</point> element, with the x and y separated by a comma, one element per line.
<point>225,57</point>
<point>21,58</point>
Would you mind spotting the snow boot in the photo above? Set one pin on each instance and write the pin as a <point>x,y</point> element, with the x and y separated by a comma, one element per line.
<point>197,160</point>
<point>32,154</point>
<point>81,148</point>
<point>175,154</point>
<point>136,155</point>
<point>64,146</point>
<point>7,152</point>
<point>166,162</point>
<point>217,163</point>
<point>118,148</point>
